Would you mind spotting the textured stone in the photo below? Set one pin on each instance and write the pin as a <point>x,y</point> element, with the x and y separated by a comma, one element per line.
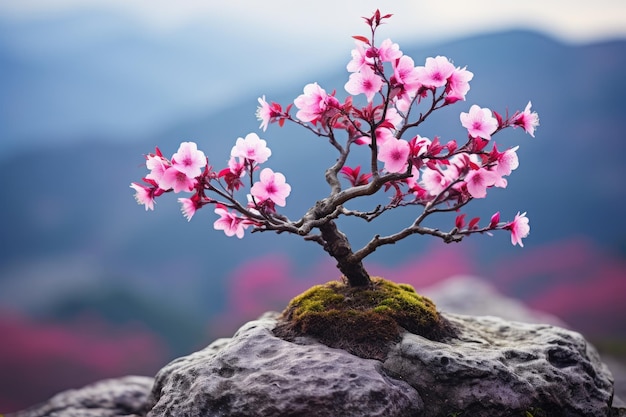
<point>496,365</point>
<point>473,296</point>
<point>492,367</point>
<point>120,397</point>
<point>258,374</point>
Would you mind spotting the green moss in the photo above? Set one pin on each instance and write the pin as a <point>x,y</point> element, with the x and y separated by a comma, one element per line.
<point>406,287</point>
<point>364,321</point>
<point>316,299</point>
<point>383,309</point>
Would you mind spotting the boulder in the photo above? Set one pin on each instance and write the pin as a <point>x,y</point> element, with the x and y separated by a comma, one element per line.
<point>258,374</point>
<point>119,397</point>
<point>493,367</point>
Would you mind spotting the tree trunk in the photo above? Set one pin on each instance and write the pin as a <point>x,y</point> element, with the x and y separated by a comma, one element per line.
<point>337,245</point>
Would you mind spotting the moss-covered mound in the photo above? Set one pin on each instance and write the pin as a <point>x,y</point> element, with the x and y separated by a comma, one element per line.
<point>363,321</point>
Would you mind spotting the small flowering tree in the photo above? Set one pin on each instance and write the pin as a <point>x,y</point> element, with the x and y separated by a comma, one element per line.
<point>416,171</point>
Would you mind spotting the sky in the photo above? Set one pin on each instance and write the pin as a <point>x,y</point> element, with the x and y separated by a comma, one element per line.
<point>255,38</point>
<point>566,19</point>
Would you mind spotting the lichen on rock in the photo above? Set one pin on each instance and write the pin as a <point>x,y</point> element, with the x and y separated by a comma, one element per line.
<point>363,321</point>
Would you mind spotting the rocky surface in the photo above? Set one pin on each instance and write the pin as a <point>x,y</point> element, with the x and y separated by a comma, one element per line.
<point>493,365</point>
<point>120,397</point>
<point>257,374</point>
<point>473,296</point>
<point>500,365</point>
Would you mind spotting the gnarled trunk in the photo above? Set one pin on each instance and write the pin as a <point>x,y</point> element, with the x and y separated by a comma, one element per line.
<point>337,245</point>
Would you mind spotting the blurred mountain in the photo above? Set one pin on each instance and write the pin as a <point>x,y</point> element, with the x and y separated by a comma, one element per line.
<point>75,243</point>
<point>70,214</point>
<point>85,73</point>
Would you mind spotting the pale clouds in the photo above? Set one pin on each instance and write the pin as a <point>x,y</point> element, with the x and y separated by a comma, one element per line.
<point>329,19</point>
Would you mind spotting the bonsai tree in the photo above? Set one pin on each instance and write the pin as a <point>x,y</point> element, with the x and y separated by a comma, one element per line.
<point>388,98</point>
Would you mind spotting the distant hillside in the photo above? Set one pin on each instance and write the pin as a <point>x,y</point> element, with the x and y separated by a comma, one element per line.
<point>87,73</point>
<point>73,201</point>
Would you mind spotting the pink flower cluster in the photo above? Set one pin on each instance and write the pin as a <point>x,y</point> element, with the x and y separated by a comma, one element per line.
<point>188,171</point>
<point>398,97</point>
<point>432,173</point>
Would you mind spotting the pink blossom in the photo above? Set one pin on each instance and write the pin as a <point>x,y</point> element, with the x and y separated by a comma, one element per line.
<point>519,228</point>
<point>178,181</point>
<point>403,101</point>
<point>501,182</point>
<point>436,72</point>
<point>458,85</point>
<point>263,113</point>
<point>478,180</point>
<point>405,76</point>
<point>394,153</point>
<point>359,58</point>
<point>479,122</point>
<point>315,103</point>
<point>495,219</point>
<point>389,51</point>
<point>251,148</point>
<point>435,181</point>
<point>527,120</point>
<point>384,132</point>
<point>230,223</point>
<point>392,116</point>
<point>364,81</point>
<point>507,162</point>
<point>157,166</point>
<point>189,160</point>
<point>237,166</point>
<point>272,186</point>
<point>188,207</point>
<point>419,145</point>
<point>269,113</point>
<point>143,195</point>
<point>233,174</point>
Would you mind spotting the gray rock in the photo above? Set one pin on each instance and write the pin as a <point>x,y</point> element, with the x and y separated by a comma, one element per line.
<point>258,374</point>
<point>473,296</point>
<point>495,367</point>
<point>120,397</point>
